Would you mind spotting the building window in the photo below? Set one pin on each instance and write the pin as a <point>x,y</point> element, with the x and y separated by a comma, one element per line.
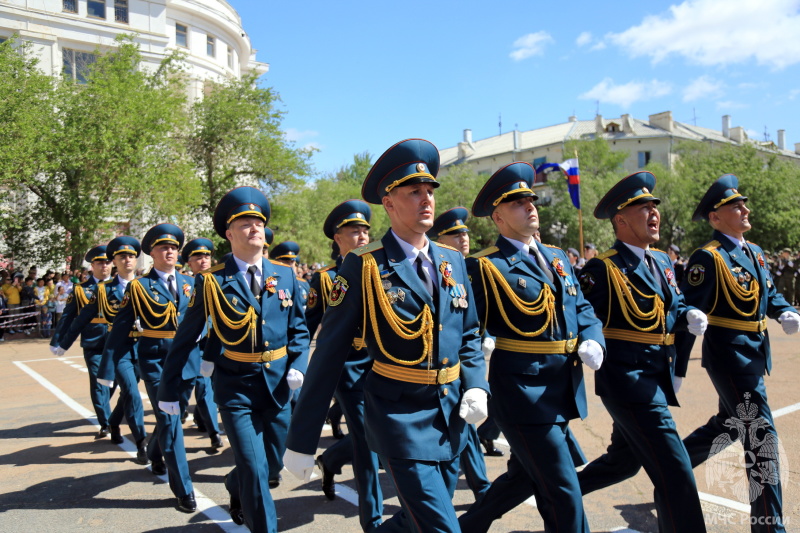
<point>70,6</point>
<point>612,128</point>
<point>76,64</point>
<point>230,57</point>
<point>210,46</point>
<point>181,35</point>
<point>644,158</point>
<point>121,11</point>
<point>96,8</point>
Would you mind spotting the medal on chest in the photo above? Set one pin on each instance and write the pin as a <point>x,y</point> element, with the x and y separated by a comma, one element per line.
<point>285,297</point>
<point>458,294</point>
<point>446,269</point>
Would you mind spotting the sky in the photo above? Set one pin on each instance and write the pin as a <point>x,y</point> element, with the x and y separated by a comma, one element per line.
<point>358,76</point>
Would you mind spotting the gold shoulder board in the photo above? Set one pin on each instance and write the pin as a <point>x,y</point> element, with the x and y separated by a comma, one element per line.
<point>607,253</point>
<point>368,248</point>
<point>446,246</point>
<point>486,251</point>
<point>711,246</point>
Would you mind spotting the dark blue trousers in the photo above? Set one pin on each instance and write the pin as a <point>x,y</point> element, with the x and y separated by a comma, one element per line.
<point>473,464</point>
<point>744,414</point>
<point>100,395</point>
<point>206,407</point>
<point>127,375</point>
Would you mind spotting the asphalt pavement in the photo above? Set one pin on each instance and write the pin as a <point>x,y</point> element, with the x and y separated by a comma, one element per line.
<point>57,477</point>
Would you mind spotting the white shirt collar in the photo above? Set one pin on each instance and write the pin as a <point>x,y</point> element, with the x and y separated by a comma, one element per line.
<point>411,252</point>
<point>163,275</point>
<point>123,282</point>
<point>636,250</point>
<point>734,240</point>
<point>524,247</point>
<point>242,266</point>
<point>97,281</point>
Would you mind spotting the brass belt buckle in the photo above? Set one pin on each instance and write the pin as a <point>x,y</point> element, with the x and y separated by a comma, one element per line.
<point>441,376</point>
<point>571,343</point>
<point>266,356</point>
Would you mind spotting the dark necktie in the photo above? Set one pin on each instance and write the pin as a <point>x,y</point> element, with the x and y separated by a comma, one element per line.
<point>423,275</point>
<point>749,253</point>
<point>651,264</point>
<point>255,286</point>
<point>539,259</point>
<point>171,286</point>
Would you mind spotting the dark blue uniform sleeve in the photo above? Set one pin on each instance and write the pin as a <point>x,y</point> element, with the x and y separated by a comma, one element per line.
<point>83,319</point>
<point>315,305</point>
<point>70,312</point>
<point>297,335</point>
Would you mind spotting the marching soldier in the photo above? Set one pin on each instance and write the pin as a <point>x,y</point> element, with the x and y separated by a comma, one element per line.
<point>154,305</point>
<point>729,280</point>
<point>262,330</point>
<point>450,228</point>
<point>197,256</point>
<point>527,297</point>
<point>287,253</point>
<point>93,337</point>
<point>348,228</point>
<point>428,375</point>
<point>102,308</point>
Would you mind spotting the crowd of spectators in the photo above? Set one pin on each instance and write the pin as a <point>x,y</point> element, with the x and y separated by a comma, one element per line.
<point>32,303</point>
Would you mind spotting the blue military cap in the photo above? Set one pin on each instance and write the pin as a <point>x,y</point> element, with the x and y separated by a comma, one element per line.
<point>269,236</point>
<point>630,190</point>
<point>98,253</point>
<point>240,202</point>
<point>511,182</point>
<point>349,213</point>
<point>285,250</point>
<point>450,222</point>
<point>123,245</point>
<point>196,246</point>
<point>165,233</point>
<point>722,191</point>
<point>406,163</point>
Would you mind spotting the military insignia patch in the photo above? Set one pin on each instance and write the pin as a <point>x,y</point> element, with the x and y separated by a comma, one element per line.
<point>559,266</point>
<point>338,291</point>
<point>446,270</point>
<point>270,283</point>
<point>70,298</point>
<point>93,299</point>
<point>587,282</point>
<point>125,300</point>
<point>311,301</point>
<point>191,301</point>
<point>696,275</point>
<point>187,289</point>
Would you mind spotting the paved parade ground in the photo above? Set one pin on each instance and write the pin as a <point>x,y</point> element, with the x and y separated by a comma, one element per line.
<point>56,477</point>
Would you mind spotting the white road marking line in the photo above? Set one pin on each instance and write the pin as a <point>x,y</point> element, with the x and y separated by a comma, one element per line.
<point>786,410</point>
<point>205,505</point>
<point>725,502</point>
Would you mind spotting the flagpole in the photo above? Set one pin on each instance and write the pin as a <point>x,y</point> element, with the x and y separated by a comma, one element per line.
<point>580,219</point>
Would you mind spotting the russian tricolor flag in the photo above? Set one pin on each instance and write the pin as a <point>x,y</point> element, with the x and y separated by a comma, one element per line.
<point>573,175</point>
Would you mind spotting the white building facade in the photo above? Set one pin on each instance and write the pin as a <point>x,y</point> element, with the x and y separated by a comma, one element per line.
<point>65,34</point>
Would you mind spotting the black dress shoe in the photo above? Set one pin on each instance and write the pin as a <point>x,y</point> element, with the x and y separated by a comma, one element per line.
<point>187,504</point>
<point>275,482</point>
<point>327,480</point>
<point>159,469</point>
<point>235,509</point>
<point>336,428</point>
<point>216,441</point>
<point>116,436</point>
<point>491,451</point>
<point>141,453</point>
<point>103,433</point>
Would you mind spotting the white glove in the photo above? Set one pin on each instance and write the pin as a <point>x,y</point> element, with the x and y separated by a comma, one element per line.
<point>591,353</point>
<point>790,322</point>
<point>474,406</point>
<point>487,346</point>
<point>294,378</point>
<point>206,369</point>
<point>677,381</point>
<point>301,465</point>
<point>698,322</point>
<point>106,383</point>
<point>171,408</point>
<point>58,350</point>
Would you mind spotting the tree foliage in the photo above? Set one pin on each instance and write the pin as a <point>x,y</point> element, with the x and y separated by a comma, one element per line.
<point>772,185</point>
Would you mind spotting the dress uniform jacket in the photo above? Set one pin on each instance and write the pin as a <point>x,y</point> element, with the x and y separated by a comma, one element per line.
<point>736,341</point>
<point>552,382</point>
<point>636,372</point>
<point>102,308</point>
<point>358,359</point>
<point>273,328</point>
<point>378,289</point>
<point>93,335</point>
<point>147,300</point>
